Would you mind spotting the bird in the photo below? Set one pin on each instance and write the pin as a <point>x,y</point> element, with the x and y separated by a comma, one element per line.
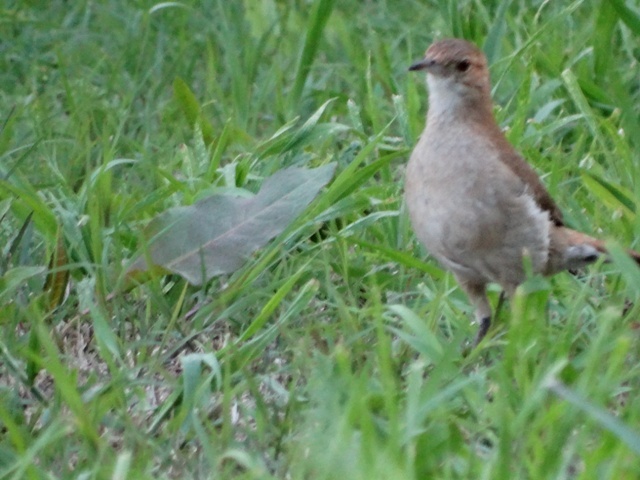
<point>474,202</point>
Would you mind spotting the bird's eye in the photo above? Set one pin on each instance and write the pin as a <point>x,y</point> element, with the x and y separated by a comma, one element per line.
<point>463,65</point>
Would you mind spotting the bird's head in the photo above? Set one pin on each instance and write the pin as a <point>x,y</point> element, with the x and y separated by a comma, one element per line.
<point>455,67</point>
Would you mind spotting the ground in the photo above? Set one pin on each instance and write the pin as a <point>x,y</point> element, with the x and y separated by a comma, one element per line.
<point>340,349</point>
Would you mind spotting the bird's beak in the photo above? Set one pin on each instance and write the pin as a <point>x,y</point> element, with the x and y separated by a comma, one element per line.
<point>423,64</point>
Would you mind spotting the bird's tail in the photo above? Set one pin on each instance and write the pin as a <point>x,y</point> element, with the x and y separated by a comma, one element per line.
<point>570,249</point>
<point>581,238</point>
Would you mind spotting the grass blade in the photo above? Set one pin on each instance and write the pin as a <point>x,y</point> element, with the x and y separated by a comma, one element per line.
<point>606,420</point>
<point>317,21</point>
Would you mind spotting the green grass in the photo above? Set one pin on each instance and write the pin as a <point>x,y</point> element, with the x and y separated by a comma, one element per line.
<point>335,352</point>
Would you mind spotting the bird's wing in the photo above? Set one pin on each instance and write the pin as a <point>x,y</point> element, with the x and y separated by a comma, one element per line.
<point>529,177</point>
<point>523,170</point>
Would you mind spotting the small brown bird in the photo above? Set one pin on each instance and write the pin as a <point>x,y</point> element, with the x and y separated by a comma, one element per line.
<point>474,202</point>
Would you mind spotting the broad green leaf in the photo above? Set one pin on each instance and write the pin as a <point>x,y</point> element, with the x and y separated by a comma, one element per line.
<point>576,89</point>
<point>58,274</point>
<point>417,333</point>
<point>11,249</point>
<point>627,266</point>
<point>496,32</point>
<point>65,382</point>
<point>318,20</point>
<point>407,259</point>
<point>15,278</point>
<point>603,35</point>
<point>27,202</point>
<point>606,420</point>
<point>187,101</point>
<point>286,139</point>
<point>108,341</point>
<point>5,206</point>
<point>192,381</point>
<point>216,235</point>
<point>613,195</point>
<point>191,109</point>
<point>628,16</point>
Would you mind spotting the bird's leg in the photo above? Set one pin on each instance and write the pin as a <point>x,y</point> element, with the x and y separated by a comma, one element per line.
<point>483,328</point>
<point>478,297</point>
<point>501,300</point>
<point>485,322</point>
